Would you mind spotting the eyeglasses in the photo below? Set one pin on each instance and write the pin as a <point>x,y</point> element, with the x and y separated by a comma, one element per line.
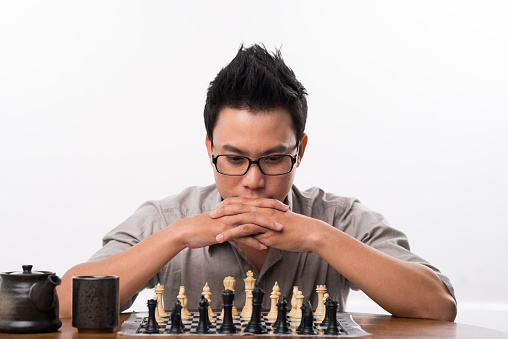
<point>238,165</point>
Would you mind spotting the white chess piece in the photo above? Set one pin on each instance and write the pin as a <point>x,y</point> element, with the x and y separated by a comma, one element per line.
<point>249,287</point>
<point>293,301</point>
<point>320,309</point>
<point>183,301</point>
<point>159,291</point>
<point>325,296</point>
<point>158,318</point>
<point>274,298</point>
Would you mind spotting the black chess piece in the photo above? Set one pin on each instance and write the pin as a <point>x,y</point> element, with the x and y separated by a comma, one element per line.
<point>326,320</point>
<point>308,320</point>
<point>255,326</point>
<point>227,326</point>
<point>203,326</point>
<point>333,326</point>
<point>151,325</point>
<point>280,326</point>
<point>176,319</point>
<point>300,327</point>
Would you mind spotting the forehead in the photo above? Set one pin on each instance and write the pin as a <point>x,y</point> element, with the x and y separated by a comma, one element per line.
<point>254,131</point>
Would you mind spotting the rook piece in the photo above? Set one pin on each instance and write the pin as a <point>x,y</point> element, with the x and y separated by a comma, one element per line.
<point>320,309</point>
<point>203,317</point>
<point>333,326</point>
<point>176,318</point>
<point>151,325</point>
<point>227,326</point>
<point>281,324</point>
<point>254,326</point>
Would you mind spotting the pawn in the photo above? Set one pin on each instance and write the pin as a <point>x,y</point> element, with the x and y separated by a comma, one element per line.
<point>203,326</point>
<point>176,319</point>
<point>151,325</point>
<point>333,326</point>
<point>326,320</point>
<point>281,324</point>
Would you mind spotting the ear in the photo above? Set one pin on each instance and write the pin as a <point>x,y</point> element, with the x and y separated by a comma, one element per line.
<point>301,149</point>
<point>208,144</point>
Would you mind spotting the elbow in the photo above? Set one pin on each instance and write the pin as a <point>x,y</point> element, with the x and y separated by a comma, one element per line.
<point>447,310</point>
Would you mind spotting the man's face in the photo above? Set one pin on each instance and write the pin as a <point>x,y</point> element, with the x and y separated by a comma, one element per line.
<point>253,135</point>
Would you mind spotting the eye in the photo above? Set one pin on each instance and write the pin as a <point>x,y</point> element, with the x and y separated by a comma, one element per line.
<point>273,159</point>
<point>235,159</point>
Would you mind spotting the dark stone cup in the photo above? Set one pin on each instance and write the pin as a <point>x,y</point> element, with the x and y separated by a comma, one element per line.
<point>95,303</point>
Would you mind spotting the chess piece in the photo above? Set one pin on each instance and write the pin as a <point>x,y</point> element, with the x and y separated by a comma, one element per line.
<point>281,325</point>
<point>333,326</point>
<point>159,291</point>
<point>307,327</point>
<point>320,290</point>
<point>297,316</point>
<point>151,325</point>
<point>274,298</point>
<point>176,319</point>
<point>326,320</point>
<point>203,326</point>
<point>249,287</point>
<point>158,318</point>
<point>206,292</point>
<point>229,284</point>
<point>293,301</point>
<point>325,296</point>
<point>227,326</point>
<point>255,326</point>
<point>183,301</point>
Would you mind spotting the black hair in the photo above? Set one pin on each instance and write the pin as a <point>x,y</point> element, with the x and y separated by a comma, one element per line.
<point>256,80</point>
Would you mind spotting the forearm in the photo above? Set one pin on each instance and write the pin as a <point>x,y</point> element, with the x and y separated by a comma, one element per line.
<point>134,266</point>
<point>402,288</point>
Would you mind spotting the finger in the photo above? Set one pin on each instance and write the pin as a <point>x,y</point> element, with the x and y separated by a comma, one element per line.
<point>248,218</point>
<point>249,241</point>
<point>241,231</point>
<point>258,202</point>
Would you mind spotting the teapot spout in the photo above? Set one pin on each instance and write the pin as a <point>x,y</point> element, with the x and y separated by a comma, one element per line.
<point>43,293</point>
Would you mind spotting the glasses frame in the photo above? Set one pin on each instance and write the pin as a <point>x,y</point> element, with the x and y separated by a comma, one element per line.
<point>255,162</point>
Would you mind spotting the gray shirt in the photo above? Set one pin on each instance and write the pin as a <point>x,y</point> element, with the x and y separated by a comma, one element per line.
<point>192,268</point>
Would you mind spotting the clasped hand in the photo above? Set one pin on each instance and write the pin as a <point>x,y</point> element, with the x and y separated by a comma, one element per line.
<point>262,223</point>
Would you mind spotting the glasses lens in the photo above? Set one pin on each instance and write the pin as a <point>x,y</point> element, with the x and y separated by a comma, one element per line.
<point>276,164</point>
<point>232,165</point>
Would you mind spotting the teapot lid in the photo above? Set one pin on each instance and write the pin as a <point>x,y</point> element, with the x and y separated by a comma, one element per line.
<point>27,270</point>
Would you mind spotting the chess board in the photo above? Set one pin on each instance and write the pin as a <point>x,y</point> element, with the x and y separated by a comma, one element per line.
<point>136,325</point>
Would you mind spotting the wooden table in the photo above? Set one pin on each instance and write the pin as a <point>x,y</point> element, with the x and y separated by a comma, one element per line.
<point>380,326</point>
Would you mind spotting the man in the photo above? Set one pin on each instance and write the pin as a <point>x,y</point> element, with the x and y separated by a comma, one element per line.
<point>253,218</point>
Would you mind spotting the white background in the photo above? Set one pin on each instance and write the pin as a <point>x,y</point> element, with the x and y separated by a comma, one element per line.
<point>101,109</point>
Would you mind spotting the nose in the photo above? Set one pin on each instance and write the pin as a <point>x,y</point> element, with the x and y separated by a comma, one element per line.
<point>254,178</point>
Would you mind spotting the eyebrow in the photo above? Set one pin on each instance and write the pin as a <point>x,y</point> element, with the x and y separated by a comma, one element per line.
<point>273,150</point>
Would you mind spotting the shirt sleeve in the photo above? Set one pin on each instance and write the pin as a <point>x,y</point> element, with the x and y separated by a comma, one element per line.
<point>372,229</point>
<point>146,220</point>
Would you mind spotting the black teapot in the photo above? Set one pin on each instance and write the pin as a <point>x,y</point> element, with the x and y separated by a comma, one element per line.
<point>28,301</point>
